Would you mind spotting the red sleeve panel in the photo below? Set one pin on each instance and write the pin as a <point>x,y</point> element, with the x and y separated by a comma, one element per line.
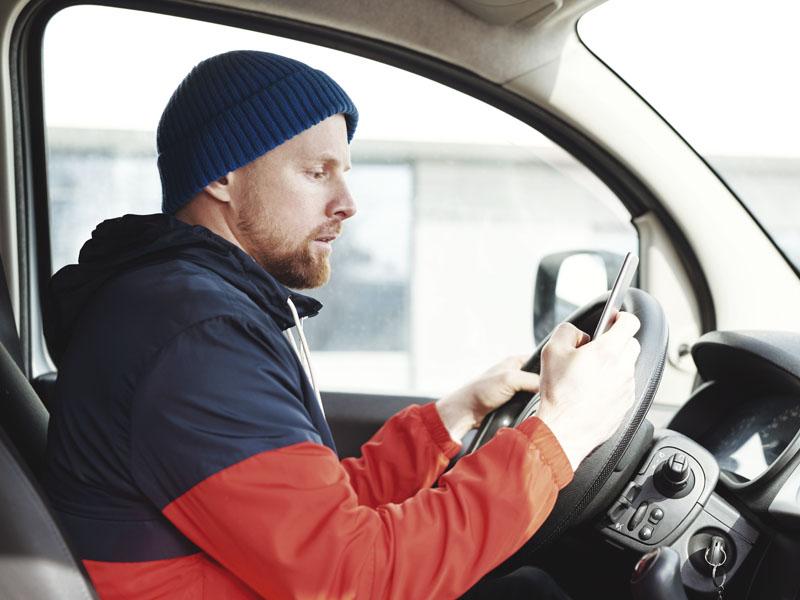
<point>194,577</point>
<point>288,523</point>
<point>406,455</point>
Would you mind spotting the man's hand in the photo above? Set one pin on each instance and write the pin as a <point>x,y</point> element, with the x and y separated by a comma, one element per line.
<point>587,387</point>
<point>465,408</point>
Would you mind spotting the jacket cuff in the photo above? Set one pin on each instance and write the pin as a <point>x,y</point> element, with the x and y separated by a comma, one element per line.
<point>552,453</point>
<point>436,429</point>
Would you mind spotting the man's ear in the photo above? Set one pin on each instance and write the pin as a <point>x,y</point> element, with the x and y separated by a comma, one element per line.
<point>220,189</point>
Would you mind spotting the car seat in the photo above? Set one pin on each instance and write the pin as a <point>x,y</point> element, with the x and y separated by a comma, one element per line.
<point>35,559</point>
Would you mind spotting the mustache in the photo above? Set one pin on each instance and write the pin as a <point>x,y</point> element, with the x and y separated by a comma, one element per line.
<point>331,229</point>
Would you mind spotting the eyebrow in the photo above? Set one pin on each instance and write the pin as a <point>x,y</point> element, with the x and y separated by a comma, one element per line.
<point>330,157</point>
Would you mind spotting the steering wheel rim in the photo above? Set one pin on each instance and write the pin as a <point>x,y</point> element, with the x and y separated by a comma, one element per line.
<point>592,475</point>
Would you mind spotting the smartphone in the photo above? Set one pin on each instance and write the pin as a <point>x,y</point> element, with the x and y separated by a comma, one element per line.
<point>614,302</point>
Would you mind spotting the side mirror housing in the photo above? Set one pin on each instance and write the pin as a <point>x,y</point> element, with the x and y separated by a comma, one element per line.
<point>567,280</point>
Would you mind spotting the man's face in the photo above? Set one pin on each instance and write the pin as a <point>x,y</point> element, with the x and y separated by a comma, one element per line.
<point>291,203</point>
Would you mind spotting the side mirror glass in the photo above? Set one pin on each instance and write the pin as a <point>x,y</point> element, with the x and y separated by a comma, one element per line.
<point>568,280</point>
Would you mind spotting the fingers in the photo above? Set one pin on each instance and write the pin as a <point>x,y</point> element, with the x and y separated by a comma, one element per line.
<point>634,348</point>
<point>631,351</point>
<point>522,381</point>
<point>624,328</point>
<point>515,362</point>
<point>566,335</point>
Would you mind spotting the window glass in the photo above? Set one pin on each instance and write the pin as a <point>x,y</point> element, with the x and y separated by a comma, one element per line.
<point>726,86</point>
<point>433,279</point>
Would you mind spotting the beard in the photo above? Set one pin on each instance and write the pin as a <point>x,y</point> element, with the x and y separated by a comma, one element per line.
<point>300,270</point>
<point>297,266</point>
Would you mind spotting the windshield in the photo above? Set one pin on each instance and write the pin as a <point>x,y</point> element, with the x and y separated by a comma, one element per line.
<point>723,73</point>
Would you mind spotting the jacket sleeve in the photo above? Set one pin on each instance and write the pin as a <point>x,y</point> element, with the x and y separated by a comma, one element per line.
<point>221,444</point>
<point>407,454</point>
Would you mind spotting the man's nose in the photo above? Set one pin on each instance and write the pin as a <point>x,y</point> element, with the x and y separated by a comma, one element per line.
<point>343,205</point>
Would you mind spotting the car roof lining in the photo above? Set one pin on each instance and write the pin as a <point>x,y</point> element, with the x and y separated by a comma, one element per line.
<point>440,29</point>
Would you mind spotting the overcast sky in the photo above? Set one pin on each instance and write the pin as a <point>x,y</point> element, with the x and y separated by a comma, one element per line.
<point>722,71</point>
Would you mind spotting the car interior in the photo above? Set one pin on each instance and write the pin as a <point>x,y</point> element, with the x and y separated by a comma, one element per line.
<point>697,495</point>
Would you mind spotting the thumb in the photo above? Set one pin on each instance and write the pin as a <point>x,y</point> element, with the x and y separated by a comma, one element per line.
<point>567,337</point>
<point>521,381</point>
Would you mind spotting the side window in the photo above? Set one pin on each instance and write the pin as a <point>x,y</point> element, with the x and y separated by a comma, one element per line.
<point>433,280</point>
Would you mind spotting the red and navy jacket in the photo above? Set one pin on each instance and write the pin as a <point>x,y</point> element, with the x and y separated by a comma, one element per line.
<point>188,456</point>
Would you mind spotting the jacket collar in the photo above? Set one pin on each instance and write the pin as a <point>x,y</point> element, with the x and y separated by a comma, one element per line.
<point>120,244</point>
<point>260,285</point>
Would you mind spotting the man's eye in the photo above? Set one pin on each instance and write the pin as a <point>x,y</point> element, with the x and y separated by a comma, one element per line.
<point>317,174</point>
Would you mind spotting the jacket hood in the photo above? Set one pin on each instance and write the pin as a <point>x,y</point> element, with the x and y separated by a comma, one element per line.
<point>118,245</point>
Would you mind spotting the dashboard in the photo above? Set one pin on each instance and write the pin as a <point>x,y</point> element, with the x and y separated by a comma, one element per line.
<point>726,472</point>
<point>746,412</point>
<point>752,436</point>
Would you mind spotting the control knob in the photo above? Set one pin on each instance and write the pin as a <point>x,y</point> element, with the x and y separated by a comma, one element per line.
<point>673,477</point>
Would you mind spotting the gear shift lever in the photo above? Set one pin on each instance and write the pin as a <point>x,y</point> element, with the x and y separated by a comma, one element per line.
<point>657,576</point>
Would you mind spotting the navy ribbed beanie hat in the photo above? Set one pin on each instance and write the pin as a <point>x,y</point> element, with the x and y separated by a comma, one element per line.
<point>234,107</point>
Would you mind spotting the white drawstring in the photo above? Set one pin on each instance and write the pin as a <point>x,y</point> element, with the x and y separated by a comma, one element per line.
<point>306,354</point>
<point>287,334</point>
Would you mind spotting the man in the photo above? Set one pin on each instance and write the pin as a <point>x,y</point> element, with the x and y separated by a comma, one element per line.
<point>189,456</point>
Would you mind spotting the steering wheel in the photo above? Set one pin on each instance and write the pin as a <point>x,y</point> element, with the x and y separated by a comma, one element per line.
<point>592,482</point>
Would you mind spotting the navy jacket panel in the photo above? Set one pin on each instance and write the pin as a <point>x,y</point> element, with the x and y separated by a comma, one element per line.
<point>161,322</point>
<point>238,399</point>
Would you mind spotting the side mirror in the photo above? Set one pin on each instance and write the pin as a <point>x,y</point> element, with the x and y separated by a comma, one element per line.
<point>567,280</point>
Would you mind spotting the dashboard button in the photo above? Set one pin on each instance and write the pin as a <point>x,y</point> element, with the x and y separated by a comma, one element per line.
<point>638,516</point>
<point>615,512</point>
<point>631,492</point>
<point>656,515</point>
<point>646,533</point>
